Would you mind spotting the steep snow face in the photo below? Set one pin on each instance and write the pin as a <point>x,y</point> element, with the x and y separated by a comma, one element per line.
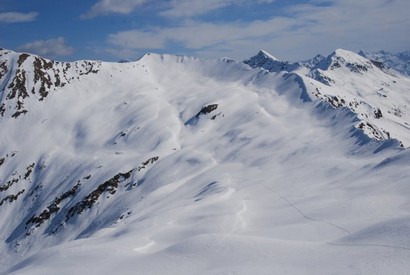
<point>177,165</point>
<point>399,62</point>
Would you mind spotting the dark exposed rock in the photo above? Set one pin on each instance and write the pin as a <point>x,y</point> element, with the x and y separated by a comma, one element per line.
<point>18,113</point>
<point>145,163</point>
<point>18,89</point>
<point>8,184</point>
<point>207,109</point>
<point>54,207</point>
<point>357,68</point>
<point>387,134</point>
<point>353,104</point>
<point>40,65</point>
<point>215,116</point>
<point>11,198</point>
<point>18,85</point>
<point>378,64</point>
<point>2,109</point>
<point>22,58</point>
<point>319,76</point>
<point>3,69</point>
<point>88,67</point>
<point>109,186</point>
<point>335,101</point>
<point>151,160</point>
<point>376,134</point>
<point>378,113</point>
<point>29,170</point>
<point>335,65</point>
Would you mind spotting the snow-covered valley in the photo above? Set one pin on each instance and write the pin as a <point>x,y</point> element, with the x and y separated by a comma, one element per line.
<point>177,165</point>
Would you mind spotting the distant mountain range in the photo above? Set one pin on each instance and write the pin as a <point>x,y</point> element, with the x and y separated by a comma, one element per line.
<point>399,62</point>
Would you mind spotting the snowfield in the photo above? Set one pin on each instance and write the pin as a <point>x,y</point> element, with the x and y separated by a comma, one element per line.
<point>177,165</point>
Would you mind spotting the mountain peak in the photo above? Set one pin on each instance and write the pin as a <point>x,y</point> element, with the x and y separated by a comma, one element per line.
<point>264,60</point>
<point>261,57</point>
<point>342,58</point>
<point>266,55</point>
<point>349,56</point>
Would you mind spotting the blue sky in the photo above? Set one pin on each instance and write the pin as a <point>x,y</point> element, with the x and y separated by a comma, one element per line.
<point>115,29</point>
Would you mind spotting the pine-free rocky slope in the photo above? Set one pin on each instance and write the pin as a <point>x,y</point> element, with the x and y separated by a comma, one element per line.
<point>178,165</point>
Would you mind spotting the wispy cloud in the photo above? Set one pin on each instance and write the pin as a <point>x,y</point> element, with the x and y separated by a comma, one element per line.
<point>170,8</point>
<point>190,8</point>
<point>48,48</point>
<point>103,7</point>
<point>17,17</point>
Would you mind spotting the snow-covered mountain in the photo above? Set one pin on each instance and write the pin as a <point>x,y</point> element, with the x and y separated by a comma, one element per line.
<point>268,62</point>
<point>177,165</point>
<point>379,98</point>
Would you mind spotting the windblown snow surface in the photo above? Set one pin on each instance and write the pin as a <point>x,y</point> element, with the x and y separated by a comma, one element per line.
<point>176,165</point>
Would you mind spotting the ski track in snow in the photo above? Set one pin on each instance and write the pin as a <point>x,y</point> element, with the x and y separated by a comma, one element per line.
<point>303,214</point>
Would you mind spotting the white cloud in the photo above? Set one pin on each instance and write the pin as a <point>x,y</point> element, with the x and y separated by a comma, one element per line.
<point>197,36</point>
<point>113,6</point>
<point>305,30</point>
<point>368,24</point>
<point>136,39</point>
<point>48,48</point>
<point>17,17</point>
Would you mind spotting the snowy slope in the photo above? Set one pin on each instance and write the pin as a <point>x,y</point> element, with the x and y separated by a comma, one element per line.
<point>177,165</point>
